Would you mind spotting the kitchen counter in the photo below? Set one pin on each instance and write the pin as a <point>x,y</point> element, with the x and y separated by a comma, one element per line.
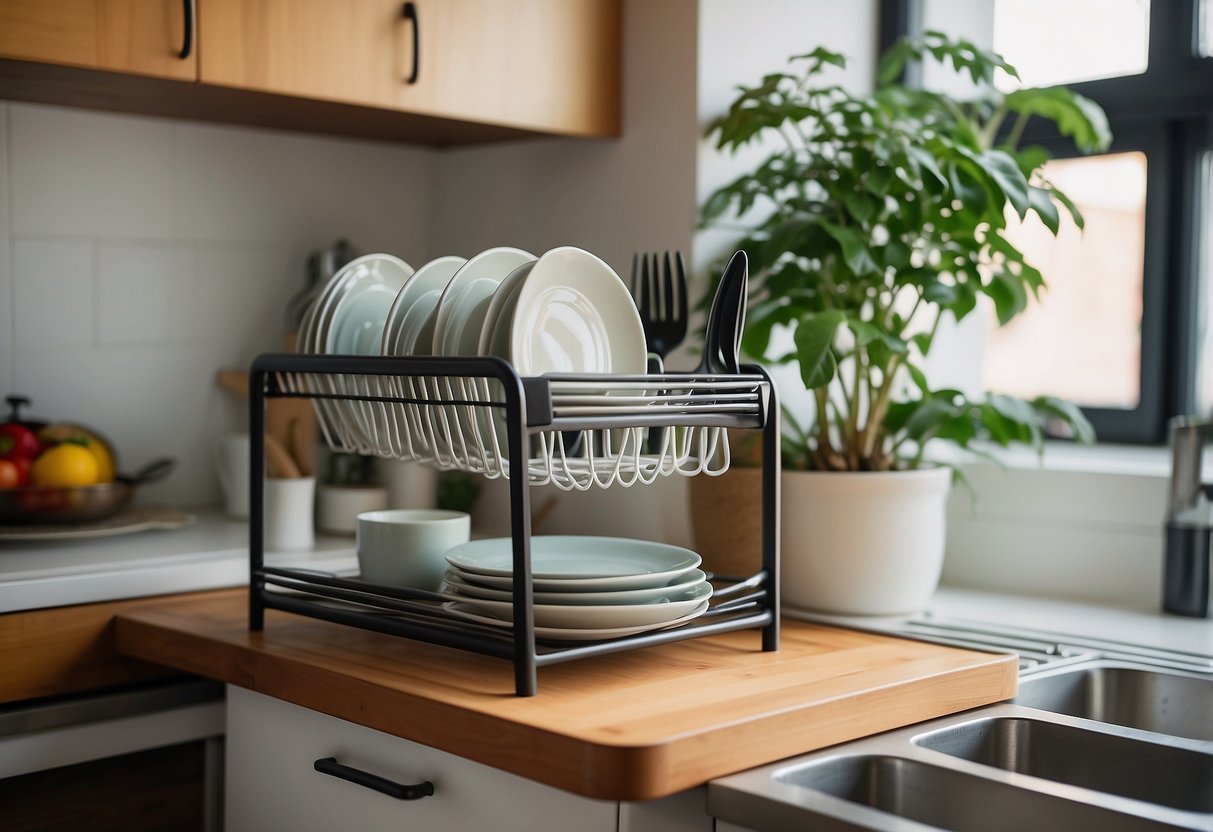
<point>1129,625</point>
<point>627,726</point>
<point>212,553</point>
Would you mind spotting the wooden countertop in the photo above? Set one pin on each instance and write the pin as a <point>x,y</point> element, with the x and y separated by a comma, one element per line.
<point>629,726</point>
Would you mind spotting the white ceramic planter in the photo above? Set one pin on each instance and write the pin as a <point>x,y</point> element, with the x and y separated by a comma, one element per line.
<point>862,543</point>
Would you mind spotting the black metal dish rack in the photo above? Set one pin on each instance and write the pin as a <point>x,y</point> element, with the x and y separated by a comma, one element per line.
<point>475,386</point>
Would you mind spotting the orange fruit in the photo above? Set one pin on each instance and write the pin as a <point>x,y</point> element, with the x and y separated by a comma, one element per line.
<point>65,465</point>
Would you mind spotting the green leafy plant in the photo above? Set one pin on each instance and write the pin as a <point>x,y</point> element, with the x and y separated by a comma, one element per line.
<point>886,213</point>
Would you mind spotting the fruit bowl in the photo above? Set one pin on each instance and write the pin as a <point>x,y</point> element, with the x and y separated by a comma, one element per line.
<point>77,504</point>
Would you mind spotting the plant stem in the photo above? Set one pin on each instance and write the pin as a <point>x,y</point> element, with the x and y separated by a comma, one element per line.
<point>1017,129</point>
<point>878,408</point>
<point>990,132</point>
<point>850,439</point>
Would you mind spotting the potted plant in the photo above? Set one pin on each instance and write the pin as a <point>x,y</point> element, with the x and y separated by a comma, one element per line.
<point>887,213</point>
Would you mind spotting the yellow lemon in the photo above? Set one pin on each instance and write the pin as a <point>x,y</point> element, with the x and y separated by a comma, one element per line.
<point>65,465</point>
<point>98,447</point>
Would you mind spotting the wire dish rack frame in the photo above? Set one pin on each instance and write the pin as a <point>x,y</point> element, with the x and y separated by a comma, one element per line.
<point>477,414</point>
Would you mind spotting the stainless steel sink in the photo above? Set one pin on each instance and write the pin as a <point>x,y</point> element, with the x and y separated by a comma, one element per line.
<point>1095,740</point>
<point>945,799</point>
<point>1168,702</point>
<point>1105,762</point>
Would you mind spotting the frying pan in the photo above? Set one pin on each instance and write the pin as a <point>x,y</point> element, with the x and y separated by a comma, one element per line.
<point>80,504</point>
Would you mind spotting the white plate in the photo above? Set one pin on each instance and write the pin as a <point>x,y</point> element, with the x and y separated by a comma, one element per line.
<point>433,276</point>
<point>465,584</point>
<point>568,634</point>
<point>598,563</point>
<point>574,315</point>
<point>356,328</point>
<point>363,301</point>
<point>607,616</point>
<point>502,304</point>
<point>467,291</point>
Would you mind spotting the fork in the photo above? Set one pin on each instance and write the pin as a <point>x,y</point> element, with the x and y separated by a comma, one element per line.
<point>660,291</point>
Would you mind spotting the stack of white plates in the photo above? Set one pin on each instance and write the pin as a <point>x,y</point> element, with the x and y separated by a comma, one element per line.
<point>564,312</point>
<point>585,588</point>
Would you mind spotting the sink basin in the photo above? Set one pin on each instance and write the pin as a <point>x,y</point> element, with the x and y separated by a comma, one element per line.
<point>854,792</point>
<point>1094,741</point>
<point>1167,702</point>
<point>1163,774</point>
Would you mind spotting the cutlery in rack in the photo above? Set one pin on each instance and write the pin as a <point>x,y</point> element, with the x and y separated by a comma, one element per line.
<point>659,288</point>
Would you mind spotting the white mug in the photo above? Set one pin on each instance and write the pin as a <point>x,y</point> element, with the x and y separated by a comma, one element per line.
<point>338,506</point>
<point>405,547</point>
<point>232,468</point>
<point>289,513</point>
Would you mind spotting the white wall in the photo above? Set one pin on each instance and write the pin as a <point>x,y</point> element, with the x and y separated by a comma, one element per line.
<point>138,255</point>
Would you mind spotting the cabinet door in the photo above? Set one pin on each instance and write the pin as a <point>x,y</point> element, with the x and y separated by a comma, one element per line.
<point>144,37</point>
<point>272,746</point>
<point>546,65</point>
<point>550,65</point>
<point>352,51</point>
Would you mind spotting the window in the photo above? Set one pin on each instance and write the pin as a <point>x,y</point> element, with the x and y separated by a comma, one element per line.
<point>1114,40</point>
<point>1125,328</point>
<point>1083,340</point>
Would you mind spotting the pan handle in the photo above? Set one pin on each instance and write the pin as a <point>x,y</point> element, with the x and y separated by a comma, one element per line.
<point>155,470</point>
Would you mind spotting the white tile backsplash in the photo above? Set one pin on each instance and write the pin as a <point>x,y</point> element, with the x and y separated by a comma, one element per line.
<point>143,293</point>
<point>147,253</point>
<point>94,174</point>
<point>7,336</point>
<point>53,295</point>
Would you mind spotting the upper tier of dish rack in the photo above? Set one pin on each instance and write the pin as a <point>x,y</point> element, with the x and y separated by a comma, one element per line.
<point>477,414</point>
<point>455,417</point>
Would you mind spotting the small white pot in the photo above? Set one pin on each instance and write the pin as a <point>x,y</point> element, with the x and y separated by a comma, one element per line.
<point>862,543</point>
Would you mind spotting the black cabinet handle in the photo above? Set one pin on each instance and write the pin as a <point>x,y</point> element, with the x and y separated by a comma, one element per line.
<point>400,791</point>
<point>410,14</point>
<point>187,42</point>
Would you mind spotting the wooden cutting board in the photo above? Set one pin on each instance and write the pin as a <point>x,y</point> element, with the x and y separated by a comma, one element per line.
<point>629,726</point>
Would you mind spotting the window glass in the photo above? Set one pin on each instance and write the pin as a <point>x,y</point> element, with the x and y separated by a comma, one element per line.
<point>1082,341</point>
<point>1062,41</point>
<point>1204,323</point>
<point>1206,28</point>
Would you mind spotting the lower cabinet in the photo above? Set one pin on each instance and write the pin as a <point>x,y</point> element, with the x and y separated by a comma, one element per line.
<point>164,788</point>
<point>272,783</point>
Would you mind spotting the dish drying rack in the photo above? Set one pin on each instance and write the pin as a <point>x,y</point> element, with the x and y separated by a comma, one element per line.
<point>476,414</point>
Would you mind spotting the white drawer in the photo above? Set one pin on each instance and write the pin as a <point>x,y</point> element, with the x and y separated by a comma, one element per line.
<point>271,783</point>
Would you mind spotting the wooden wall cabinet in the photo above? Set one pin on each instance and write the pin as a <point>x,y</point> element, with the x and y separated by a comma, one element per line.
<point>435,71</point>
<point>141,37</point>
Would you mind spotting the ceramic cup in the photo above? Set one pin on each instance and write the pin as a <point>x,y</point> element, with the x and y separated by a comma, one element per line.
<point>232,468</point>
<point>338,506</point>
<point>288,513</point>
<point>405,547</point>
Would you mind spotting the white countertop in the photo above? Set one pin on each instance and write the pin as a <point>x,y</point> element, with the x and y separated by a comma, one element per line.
<point>210,554</point>
<point>1127,624</point>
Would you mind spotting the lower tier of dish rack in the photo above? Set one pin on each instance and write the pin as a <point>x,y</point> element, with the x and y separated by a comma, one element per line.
<point>477,414</point>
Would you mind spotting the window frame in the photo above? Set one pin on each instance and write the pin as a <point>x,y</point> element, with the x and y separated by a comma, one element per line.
<point>1167,113</point>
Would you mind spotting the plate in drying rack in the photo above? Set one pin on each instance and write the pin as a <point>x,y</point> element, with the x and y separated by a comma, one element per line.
<point>468,586</point>
<point>470,613</point>
<point>581,617</point>
<point>576,563</point>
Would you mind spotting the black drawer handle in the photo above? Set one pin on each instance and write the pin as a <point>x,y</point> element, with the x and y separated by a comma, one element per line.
<point>187,42</point>
<point>410,14</point>
<point>400,791</point>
